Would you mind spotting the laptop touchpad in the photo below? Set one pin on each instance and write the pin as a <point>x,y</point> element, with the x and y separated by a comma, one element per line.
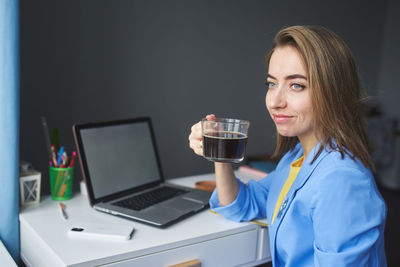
<point>171,209</point>
<point>182,205</point>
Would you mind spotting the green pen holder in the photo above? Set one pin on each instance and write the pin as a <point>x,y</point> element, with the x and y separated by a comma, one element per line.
<point>61,180</point>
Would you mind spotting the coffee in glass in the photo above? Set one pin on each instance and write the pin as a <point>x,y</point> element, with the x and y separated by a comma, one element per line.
<point>224,140</point>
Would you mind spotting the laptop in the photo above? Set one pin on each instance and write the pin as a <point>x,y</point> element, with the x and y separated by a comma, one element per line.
<point>122,172</point>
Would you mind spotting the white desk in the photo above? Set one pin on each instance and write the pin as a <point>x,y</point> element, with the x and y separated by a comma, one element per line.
<point>208,237</point>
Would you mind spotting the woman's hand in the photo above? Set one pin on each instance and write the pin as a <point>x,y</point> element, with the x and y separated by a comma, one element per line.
<point>227,185</point>
<point>196,137</point>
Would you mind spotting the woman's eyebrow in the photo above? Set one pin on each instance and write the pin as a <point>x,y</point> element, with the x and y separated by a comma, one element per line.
<point>295,76</point>
<point>290,77</point>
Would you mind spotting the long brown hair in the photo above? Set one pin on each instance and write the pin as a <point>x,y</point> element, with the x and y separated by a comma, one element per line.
<point>335,92</point>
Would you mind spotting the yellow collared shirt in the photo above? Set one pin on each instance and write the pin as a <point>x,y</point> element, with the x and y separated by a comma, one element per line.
<point>294,170</point>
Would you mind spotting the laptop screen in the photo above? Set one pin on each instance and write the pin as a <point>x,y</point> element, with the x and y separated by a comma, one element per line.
<point>119,157</point>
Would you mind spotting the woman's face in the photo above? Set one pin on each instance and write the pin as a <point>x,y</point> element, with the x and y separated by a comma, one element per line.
<point>288,98</point>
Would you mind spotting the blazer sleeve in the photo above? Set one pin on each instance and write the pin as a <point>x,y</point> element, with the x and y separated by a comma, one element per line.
<point>250,203</point>
<point>348,218</point>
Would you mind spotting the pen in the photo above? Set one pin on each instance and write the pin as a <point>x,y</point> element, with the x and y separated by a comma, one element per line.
<point>63,185</point>
<point>64,159</point>
<point>55,162</point>
<point>54,155</point>
<point>60,155</point>
<point>63,212</point>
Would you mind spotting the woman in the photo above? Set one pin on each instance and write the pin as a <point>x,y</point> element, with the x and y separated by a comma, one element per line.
<point>321,202</point>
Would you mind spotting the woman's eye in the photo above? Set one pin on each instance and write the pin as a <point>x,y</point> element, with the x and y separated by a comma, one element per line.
<point>270,84</point>
<point>297,87</point>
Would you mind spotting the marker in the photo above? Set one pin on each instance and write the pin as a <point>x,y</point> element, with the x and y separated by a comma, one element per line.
<point>60,155</point>
<point>72,159</point>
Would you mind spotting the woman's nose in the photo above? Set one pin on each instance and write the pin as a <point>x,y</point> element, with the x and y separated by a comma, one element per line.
<point>276,98</point>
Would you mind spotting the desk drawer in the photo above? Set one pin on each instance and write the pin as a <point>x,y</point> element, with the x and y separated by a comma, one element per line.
<point>232,250</point>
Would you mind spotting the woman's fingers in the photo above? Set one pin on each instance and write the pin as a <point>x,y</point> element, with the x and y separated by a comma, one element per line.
<point>211,117</point>
<point>196,131</point>
<point>197,146</point>
<point>196,139</point>
<point>196,136</point>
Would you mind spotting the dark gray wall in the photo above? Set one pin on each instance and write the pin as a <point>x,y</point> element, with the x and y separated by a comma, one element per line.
<point>172,60</point>
<point>388,95</point>
<point>389,72</point>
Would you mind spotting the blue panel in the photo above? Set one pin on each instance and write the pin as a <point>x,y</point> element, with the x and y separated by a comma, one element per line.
<point>9,125</point>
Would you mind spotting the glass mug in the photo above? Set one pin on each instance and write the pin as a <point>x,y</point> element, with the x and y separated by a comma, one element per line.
<point>224,140</point>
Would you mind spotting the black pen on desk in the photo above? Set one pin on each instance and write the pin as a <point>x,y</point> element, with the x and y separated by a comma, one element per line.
<point>63,212</point>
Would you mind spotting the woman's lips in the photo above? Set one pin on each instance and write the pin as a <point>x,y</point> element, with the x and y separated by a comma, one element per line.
<point>280,118</point>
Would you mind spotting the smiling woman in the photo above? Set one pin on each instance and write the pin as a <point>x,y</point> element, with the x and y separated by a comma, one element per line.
<point>321,202</point>
<point>288,98</point>
<point>331,72</point>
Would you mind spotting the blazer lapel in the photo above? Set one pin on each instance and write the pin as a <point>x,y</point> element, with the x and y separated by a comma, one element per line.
<point>302,177</point>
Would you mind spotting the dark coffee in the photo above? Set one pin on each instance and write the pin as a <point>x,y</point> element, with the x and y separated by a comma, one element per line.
<point>224,146</point>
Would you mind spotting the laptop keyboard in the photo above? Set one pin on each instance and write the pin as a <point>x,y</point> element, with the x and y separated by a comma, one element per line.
<point>147,199</point>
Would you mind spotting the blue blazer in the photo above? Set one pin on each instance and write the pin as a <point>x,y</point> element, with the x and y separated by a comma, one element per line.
<point>333,215</point>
